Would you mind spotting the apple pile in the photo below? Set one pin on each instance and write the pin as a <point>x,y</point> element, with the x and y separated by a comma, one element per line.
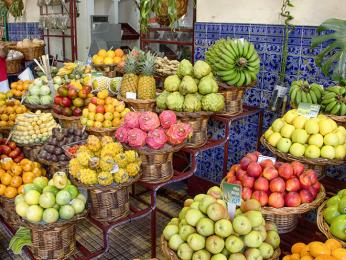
<point>312,138</point>
<point>70,100</point>
<point>275,185</point>
<point>335,215</point>
<point>10,150</point>
<point>204,230</point>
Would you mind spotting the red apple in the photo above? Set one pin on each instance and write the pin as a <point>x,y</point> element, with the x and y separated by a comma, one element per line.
<point>94,100</point>
<point>231,178</point>
<point>298,168</point>
<point>240,174</point>
<point>77,111</point>
<point>252,156</point>
<point>246,193</point>
<point>278,164</point>
<point>66,102</point>
<point>100,109</point>
<point>308,178</point>
<point>244,162</point>
<point>270,173</point>
<point>277,185</point>
<point>257,153</point>
<point>306,196</point>
<point>83,93</point>
<point>248,181</point>
<point>317,186</point>
<point>254,169</point>
<point>57,100</point>
<point>285,171</point>
<point>261,184</point>
<point>72,93</point>
<point>292,199</point>
<point>260,196</point>
<point>266,163</point>
<point>293,184</point>
<point>313,192</point>
<point>276,200</point>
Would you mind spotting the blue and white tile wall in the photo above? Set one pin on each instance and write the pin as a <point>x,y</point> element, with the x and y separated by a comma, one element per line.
<point>20,31</point>
<point>268,41</point>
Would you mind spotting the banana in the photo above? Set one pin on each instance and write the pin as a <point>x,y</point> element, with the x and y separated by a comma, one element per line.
<point>329,95</point>
<point>342,91</point>
<point>313,97</point>
<point>334,89</point>
<point>240,47</point>
<point>308,98</point>
<point>327,101</point>
<point>343,109</point>
<point>248,79</point>
<point>317,92</point>
<point>293,94</point>
<point>251,51</point>
<point>298,98</point>
<point>234,80</point>
<point>241,80</point>
<point>335,109</point>
<point>304,99</point>
<point>330,106</point>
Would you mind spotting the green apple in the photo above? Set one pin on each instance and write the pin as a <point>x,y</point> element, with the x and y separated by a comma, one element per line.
<point>273,239</point>
<point>184,252</point>
<point>241,225</point>
<point>219,256</point>
<point>268,133</point>
<point>331,139</point>
<point>284,145</point>
<point>312,151</point>
<point>234,244</point>
<point>287,130</point>
<point>266,250</point>
<point>290,116</point>
<point>297,149</point>
<point>300,136</point>
<point>327,126</point>
<point>201,255</point>
<point>175,241</point>
<point>341,193</point>
<point>205,227</point>
<point>338,227</point>
<point>277,125</point>
<point>185,231</point>
<point>342,205</point>
<point>330,213</point>
<point>196,241</point>
<point>340,152</point>
<point>274,139</point>
<point>311,126</point>
<point>299,122</point>
<point>253,239</point>
<point>169,231</point>
<point>316,139</point>
<point>328,152</point>
<point>334,200</point>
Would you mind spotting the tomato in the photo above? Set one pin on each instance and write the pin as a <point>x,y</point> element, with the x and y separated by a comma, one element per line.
<point>27,167</point>
<point>6,179</point>
<point>20,189</point>
<point>2,189</point>
<point>28,177</point>
<point>10,192</point>
<point>16,181</point>
<point>16,170</point>
<point>2,140</point>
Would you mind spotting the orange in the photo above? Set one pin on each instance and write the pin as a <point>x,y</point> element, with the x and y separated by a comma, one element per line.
<point>325,257</point>
<point>307,257</point>
<point>16,181</point>
<point>16,170</point>
<point>119,52</point>
<point>6,164</point>
<point>36,171</point>
<point>317,248</point>
<point>297,248</point>
<point>333,244</point>
<point>2,189</point>
<point>10,192</point>
<point>116,60</point>
<point>102,53</point>
<point>295,257</point>
<point>27,167</point>
<point>20,189</point>
<point>339,253</point>
<point>6,179</point>
<point>35,164</point>
<point>2,171</point>
<point>305,251</point>
<point>28,177</point>
<point>286,257</point>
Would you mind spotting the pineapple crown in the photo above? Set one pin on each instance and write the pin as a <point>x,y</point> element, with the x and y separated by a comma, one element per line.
<point>131,64</point>
<point>147,64</point>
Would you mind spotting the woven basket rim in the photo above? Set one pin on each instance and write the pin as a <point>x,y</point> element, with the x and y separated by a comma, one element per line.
<point>66,146</point>
<point>3,198</point>
<point>168,148</point>
<point>6,128</point>
<point>323,225</point>
<point>68,118</point>
<point>289,157</point>
<point>137,101</point>
<point>102,66</point>
<point>31,106</point>
<point>101,130</point>
<point>16,59</point>
<point>188,114</point>
<point>341,119</point>
<point>225,86</point>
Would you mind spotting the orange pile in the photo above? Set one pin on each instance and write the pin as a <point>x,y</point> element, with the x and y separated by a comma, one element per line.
<point>330,250</point>
<point>9,111</point>
<point>18,88</point>
<point>14,176</point>
<point>108,57</point>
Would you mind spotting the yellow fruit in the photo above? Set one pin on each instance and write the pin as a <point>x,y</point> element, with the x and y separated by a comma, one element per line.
<point>98,60</point>
<point>305,251</point>
<point>107,124</point>
<point>106,163</point>
<point>307,257</point>
<point>339,253</point>
<point>119,108</point>
<point>286,257</point>
<point>108,61</point>
<point>99,117</point>
<point>317,248</point>
<point>121,176</point>
<point>116,122</point>
<point>105,178</point>
<point>119,52</point>
<point>333,244</point>
<point>98,124</point>
<point>117,60</point>
<point>133,169</point>
<point>297,248</point>
<point>116,114</point>
<point>295,257</point>
<point>102,53</point>
<point>110,54</point>
<point>325,257</point>
<point>103,94</point>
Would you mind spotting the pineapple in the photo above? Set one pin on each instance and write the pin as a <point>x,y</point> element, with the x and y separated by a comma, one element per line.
<point>130,79</point>
<point>146,84</point>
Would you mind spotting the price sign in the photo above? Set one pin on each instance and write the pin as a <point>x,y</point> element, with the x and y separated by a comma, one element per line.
<point>281,90</point>
<point>308,110</point>
<point>261,158</point>
<point>96,74</point>
<point>232,195</point>
<point>131,95</point>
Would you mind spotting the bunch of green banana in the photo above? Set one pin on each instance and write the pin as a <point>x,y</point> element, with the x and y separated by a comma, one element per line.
<point>20,239</point>
<point>334,100</point>
<point>303,92</point>
<point>234,61</point>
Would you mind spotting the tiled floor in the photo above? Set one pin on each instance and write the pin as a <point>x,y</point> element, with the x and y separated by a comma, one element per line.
<point>128,241</point>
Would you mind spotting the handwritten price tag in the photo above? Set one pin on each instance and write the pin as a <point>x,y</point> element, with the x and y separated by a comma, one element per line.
<point>308,110</point>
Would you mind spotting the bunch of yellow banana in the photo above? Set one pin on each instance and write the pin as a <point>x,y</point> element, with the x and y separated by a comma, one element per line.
<point>303,92</point>
<point>67,69</point>
<point>334,100</point>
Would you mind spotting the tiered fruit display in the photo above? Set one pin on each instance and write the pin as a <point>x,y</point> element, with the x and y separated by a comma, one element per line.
<point>18,88</point>
<point>205,231</point>
<point>303,92</point>
<point>316,250</point>
<point>52,151</point>
<point>335,215</point>
<point>39,93</point>
<point>14,176</point>
<point>193,89</point>
<point>275,185</point>
<point>71,100</point>
<point>10,150</point>
<point>33,127</point>
<point>234,61</point>
<point>104,111</point>
<point>110,57</point>
<point>49,201</point>
<point>9,111</point>
<point>312,138</point>
<point>148,129</point>
<point>103,161</point>
<point>334,100</point>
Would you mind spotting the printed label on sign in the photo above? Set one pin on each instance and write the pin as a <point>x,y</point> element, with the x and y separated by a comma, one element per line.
<point>281,90</point>
<point>131,95</point>
<point>261,158</point>
<point>232,195</point>
<point>115,168</point>
<point>308,110</point>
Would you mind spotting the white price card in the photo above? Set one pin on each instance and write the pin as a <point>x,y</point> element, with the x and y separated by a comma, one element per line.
<point>308,110</point>
<point>131,95</point>
<point>261,158</point>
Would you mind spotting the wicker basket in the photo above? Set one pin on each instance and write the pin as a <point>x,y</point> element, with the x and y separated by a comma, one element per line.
<point>5,130</point>
<point>340,120</point>
<point>43,108</point>
<point>139,104</point>
<point>286,218</point>
<point>8,211</point>
<point>109,71</point>
<point>53,167</point>
<point>171,255</point>
<point>30,53</point>
<point>323,226</point>
<point>14,66</point>
<point>162,16</point>
<point>101,131</point>
<point>68,121</point>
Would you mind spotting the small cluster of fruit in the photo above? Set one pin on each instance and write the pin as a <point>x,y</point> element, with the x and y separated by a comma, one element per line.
<point>335,215</point>
<point>19,87</point>
<point>70,100</point>
<point>14,175</point>
<point>8,112</point>
<point>275,185</point>
<point>147,128</point>
<point>312,138</point>
<point>103,161</point>
<point>109,57</point>
<point>104,111</point>
<point>4,97</point>
<point>39,93</point>
<point>204,230</point>
<point>10,150</point>
<point>49,201</point>
<point>316,250</point>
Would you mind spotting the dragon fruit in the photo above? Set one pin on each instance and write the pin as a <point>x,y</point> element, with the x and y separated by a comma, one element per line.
<point>178,133</point>
<point>148,121</point>
<point>167,118</point>
<point>131,119</point>
<point>122,134</point>
<point>136,137</point>
<point>156,138</point>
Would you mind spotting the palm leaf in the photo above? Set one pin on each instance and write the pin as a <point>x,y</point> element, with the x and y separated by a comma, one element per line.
<point>332,59</point>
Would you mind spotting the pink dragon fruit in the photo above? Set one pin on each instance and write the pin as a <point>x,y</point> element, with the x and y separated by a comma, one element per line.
<point>121,134</point>
<point>136,137</point>
<point>167,118</point>
<point>156,138</point>
<point>148,121</point>
<point>131,119</point>
<point>178,133</point>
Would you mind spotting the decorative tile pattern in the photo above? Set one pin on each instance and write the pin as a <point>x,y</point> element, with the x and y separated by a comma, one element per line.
<point>20,31</point>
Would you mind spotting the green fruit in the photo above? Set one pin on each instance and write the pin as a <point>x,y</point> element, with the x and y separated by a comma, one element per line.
<point>333,201</point>
<point>72,190</point>
<point>342,205</point>
<point>342,193</point>
<point>330,213</point>
<point>338,227</point>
